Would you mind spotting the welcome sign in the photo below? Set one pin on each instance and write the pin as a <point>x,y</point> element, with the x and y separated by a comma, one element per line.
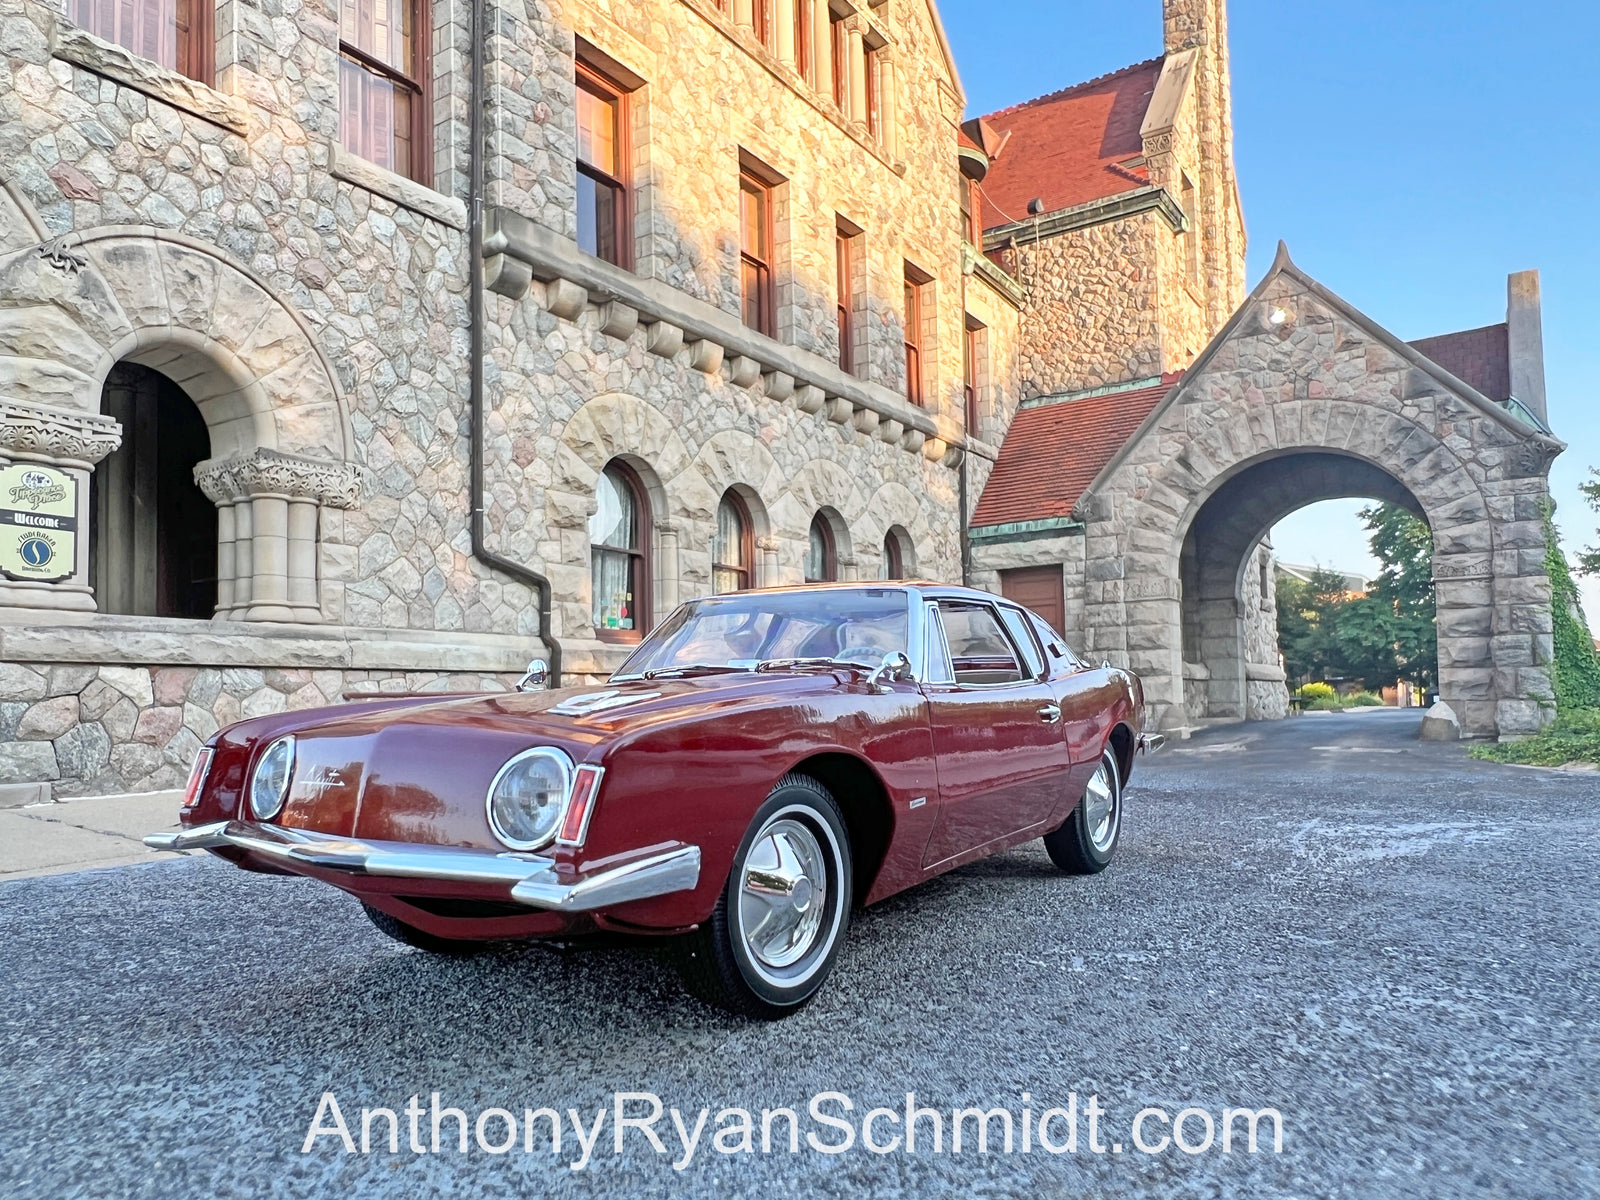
<point>38,523</point>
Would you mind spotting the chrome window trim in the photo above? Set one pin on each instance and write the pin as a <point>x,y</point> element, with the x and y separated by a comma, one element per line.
<point>936,647</point>
<point>1004,632</point>
<point>564,760</point>
<point>1042,671</point>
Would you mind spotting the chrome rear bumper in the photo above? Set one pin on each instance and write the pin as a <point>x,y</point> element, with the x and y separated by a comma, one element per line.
<point>530,878</point>
<point>1149,743</point>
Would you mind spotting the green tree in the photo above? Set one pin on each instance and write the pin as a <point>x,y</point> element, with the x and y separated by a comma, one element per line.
<point>1403,543</point>
<point>1389,633</point>
<point>1589,560</point>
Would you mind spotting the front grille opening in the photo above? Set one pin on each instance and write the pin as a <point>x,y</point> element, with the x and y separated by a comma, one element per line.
<point>466,910</point>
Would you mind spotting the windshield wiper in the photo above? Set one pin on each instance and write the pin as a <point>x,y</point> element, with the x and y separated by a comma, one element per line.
<point>789,664</point>
<point>692,669</point>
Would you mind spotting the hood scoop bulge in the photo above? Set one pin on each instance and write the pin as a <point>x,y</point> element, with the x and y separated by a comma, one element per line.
<point>598,702</point>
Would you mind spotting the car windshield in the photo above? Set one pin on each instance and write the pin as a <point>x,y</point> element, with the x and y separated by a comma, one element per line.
<point>751,629</point>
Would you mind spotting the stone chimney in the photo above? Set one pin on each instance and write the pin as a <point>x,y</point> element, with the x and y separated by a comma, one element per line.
<point>1202,26</point>
<point>1525,337</point>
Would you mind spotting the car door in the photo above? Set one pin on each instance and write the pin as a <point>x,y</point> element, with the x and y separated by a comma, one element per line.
<point>997,734</point>
<point>1087,696</point>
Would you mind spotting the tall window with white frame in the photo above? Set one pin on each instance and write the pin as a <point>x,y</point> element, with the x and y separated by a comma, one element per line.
<point>383,97</point>
<point>893,565</point>
<point>603,218</point>
<point>619,560</point>
<point>874,81</point>
<point>804,50</point>
<point>844,286</point>
<point>733,553</point>
<point>839,48</point>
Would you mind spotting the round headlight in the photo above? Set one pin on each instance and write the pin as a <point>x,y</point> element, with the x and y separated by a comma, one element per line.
<point>527,797</point>
<point>269,786</point>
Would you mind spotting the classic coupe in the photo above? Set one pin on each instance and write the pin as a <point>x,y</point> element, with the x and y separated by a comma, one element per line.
<point>763,763</point>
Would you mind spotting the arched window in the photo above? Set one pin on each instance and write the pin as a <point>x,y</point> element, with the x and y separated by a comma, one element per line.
<point>822,558</point>
<point>893,564</point>
<point>734,550</point>
<point>154,552</point>
<point>619,533</point>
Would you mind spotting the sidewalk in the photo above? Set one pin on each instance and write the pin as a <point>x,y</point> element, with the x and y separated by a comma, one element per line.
<point>74,835</point>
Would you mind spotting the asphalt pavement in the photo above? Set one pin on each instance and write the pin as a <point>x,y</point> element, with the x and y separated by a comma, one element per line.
<point>1389,944</point>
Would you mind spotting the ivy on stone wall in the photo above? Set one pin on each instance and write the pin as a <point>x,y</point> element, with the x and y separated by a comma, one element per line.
<point>1576,670</point>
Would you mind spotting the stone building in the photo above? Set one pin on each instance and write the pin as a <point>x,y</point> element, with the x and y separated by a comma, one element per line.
<point>1167,422</point>
<point>349,349</point>
<point>302,398</point>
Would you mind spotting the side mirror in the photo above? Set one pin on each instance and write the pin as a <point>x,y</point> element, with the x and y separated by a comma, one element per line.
<point>535,677</point>
<point>895,665</point>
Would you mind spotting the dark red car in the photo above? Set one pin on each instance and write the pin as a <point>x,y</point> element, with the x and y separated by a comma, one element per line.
<point>764,762</point>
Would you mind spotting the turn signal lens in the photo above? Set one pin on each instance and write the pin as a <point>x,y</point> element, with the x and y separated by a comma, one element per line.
<point>197,777</point>
<point>269,786</point>
<point>584,790</point>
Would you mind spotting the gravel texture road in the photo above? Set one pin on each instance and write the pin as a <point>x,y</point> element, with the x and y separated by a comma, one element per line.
<point>1391,945</point>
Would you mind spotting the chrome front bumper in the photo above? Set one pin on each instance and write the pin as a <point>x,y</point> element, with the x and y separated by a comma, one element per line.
<point>530,878</point>
<point>1149,743</point>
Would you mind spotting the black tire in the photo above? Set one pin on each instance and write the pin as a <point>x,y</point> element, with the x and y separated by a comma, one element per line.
<point>1072,848</point>
<point>412,936</point>
<point>715,961</point>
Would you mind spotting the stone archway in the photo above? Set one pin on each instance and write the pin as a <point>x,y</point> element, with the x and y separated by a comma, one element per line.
<point>1219,674</point>
<point>280,435</point>
<point>1302,395</point>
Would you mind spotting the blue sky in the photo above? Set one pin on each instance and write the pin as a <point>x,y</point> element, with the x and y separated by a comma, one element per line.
<point>1412,153</point>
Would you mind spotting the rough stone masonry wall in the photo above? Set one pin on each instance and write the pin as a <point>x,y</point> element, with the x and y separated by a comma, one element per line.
<point>84,729</point>
<point>1093,315</point>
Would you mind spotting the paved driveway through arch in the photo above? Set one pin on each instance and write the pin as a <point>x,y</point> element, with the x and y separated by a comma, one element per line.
<point>1390,944</point>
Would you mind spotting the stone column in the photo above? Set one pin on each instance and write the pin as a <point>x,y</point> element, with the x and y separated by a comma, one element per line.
<point>822,46</point>
<point>856,28</point>
<point>1464,587</point>
<point>269,559</point>
<point>668,579</point>
<point>767,552</point>
<point>268,509</point>
<point>783,31</point>
<point>889,109</point>
<point>303,559</point>
<point>71,442</point>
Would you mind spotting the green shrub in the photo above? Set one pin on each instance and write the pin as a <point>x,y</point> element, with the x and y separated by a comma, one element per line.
<point>1364,700</point>
<point>1573,737</point>
<point>1575,673</point>
<point>1317,691</point>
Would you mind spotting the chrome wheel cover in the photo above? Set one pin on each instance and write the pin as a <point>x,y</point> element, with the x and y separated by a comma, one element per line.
<point>785,897</point>
<point>1101,810</point>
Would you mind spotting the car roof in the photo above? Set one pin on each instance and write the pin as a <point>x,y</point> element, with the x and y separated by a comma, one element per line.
<point>927,588</point>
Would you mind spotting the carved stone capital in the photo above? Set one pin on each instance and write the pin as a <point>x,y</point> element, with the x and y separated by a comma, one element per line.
<point>273,473</point>
<point>54,433</point>
<point>1534,456</point>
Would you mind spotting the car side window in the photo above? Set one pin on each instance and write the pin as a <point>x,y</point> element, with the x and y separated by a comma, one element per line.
<point>936,651</point>
<point>1022,635</point>
<point>980,651</point>
<point>1061,658</point>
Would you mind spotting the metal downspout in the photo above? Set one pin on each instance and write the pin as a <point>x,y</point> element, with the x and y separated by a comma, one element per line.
<point>475,297</point>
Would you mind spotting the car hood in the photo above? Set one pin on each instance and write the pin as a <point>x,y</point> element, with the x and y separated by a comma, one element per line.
<point>419,771</point>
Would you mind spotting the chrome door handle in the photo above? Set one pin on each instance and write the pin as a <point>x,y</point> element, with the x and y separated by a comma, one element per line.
<point>1050,714</point>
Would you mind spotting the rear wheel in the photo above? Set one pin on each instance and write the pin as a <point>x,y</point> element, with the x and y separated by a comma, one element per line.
<point>1087,840</point>
<point>412,936</point>
<point>781,919</point>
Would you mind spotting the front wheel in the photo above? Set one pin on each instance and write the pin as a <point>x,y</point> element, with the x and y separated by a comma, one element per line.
<point>782,916</point>
<point>1087,840</point>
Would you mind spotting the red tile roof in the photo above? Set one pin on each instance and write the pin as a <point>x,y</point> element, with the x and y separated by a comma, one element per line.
<point>1481,357</point>
<point>1053,452</point>
<point>1066,147</point>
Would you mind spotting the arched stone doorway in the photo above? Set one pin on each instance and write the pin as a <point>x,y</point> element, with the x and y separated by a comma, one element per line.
<point>1302,397</point>
<point>1222,678</point>
<point>154,552</point>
